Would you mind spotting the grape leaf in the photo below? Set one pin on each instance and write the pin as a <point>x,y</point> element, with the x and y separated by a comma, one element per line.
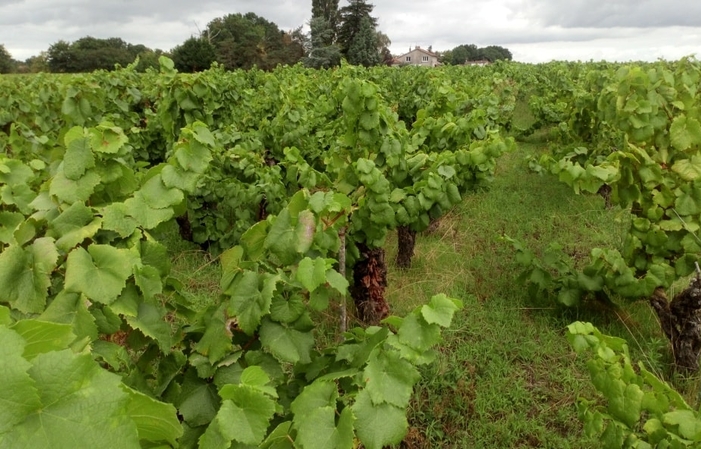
<point>251,296</point>
<point>99,273</point>
<point>43,336</point>
<point>244,416</point>
<point>389,378</point>
<point>82,405</point>
<point>151,322</point>
<point>155,421</point>
<point>311,272</point>
<point>25,274</point>
<point>78,157</point>
<point>18,396</point>
<point>440,310</point>
<point>378,425</point>
<point>288,345</point>
<point>685,132</point>
<point>319,429</point>
<point>69,191</point>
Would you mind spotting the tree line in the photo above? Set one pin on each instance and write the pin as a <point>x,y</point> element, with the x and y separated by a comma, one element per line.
<point>242,41</point>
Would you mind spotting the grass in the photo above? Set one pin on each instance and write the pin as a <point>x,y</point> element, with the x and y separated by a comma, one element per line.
<point>505,376</point>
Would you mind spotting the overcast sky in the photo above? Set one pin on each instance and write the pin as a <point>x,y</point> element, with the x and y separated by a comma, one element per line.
<point>534,30</point>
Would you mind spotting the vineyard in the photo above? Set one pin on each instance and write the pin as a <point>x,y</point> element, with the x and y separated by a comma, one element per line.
<point>355,228</point>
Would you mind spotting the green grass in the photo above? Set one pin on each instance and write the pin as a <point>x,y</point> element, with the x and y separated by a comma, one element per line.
<point>505,376</point>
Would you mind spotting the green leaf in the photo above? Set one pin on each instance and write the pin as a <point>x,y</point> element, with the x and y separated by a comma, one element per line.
<point>99,273</point>
<point>216,341</point>
<point>71,308</point>
<point>311,273</point>
<point>107,139</point>
<point>688,200</point>
<point>82,405</point>
<point>251,296</point>
<point>78,157</point>
<point>115,217</point>
<point>18,396</point>
<point>25,274</point>
<point>378,425</point>
<point>155,421</point>
<point>157,196</point>
<point>390,379</point>
<point>253,240</point>
<point>43,336</point>
<point>151,322</point>
<point>279,438</point>
<point>73,226</point>
<point>319,429</point>
<point>287,345</point>
<point>688,422</point>
<point>145,215</point>
<point>685,132</point>
<point>688,169</point>
<point>149,281</point>
<point>337,281</point>
<point>69,191</point>
<point>9,221</point>
<point>418,334</point>
<point>244,417</point>
<point>198,401</point>
<point>440,310</point>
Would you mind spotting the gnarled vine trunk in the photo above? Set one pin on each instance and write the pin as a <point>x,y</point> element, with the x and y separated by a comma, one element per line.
<point>681,322</point>
<point>406,240</point>
<point>369,282</point>
<point>184,227</point>
<point>605,192</point>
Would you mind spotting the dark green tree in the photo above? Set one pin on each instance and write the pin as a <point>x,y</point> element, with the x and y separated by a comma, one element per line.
<point>352,17</point>
<point>363,47</point>
<point>59,57</point>
<point>322,54</point>
<point>243,41</point>
<point>6,63</point>
<point>464,53</point>
<point>495,53</point>
<point>328,10</point>
<point>194,55</point>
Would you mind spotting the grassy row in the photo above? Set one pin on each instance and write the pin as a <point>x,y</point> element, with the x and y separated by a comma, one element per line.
<point>505,376</point>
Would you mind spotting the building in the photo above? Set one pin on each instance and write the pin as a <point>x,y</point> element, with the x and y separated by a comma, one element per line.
<point>417,56</point>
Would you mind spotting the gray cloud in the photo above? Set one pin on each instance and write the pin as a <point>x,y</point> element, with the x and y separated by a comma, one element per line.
<point>535,30</point>
<point>614,13</point>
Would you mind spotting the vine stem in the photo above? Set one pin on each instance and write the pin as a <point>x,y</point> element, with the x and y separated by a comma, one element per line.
<point>342,270</point>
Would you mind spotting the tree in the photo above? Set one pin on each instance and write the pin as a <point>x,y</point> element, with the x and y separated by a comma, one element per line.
<point>37,64</point>
<point>383,43</point>
<point>352,17</point>
<point>363,47</point>
<point>243,41</point>
<point>463,53</point>
<point>328,10</point>
<point>322,55</point>
<point>59,57</point>
<point>194,55</point>
<point>6,62</point>
<point>494,53</point>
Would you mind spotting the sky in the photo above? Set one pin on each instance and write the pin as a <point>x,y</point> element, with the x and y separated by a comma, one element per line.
<point>533,30</point>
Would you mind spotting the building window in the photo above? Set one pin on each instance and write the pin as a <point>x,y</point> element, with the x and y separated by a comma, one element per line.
<point>408,59</point>
<point>424,58</point>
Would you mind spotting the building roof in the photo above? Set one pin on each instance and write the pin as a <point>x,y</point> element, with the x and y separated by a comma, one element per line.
<point>430,53</point>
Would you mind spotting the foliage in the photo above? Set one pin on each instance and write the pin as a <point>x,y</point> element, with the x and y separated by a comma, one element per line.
<point>322,54</point>
<point>6,63</point>
<point>328,11</point>
<point>352,16</point>
<point>641,411</point>
<point>363,47</point>
<point>88,54</point>
<point>242,41</point>
<point>193,55</point>
<point>470,52</point>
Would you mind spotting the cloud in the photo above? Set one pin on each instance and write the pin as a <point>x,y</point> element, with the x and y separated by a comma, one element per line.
<point>534,30</point>
<point>614,13</point>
